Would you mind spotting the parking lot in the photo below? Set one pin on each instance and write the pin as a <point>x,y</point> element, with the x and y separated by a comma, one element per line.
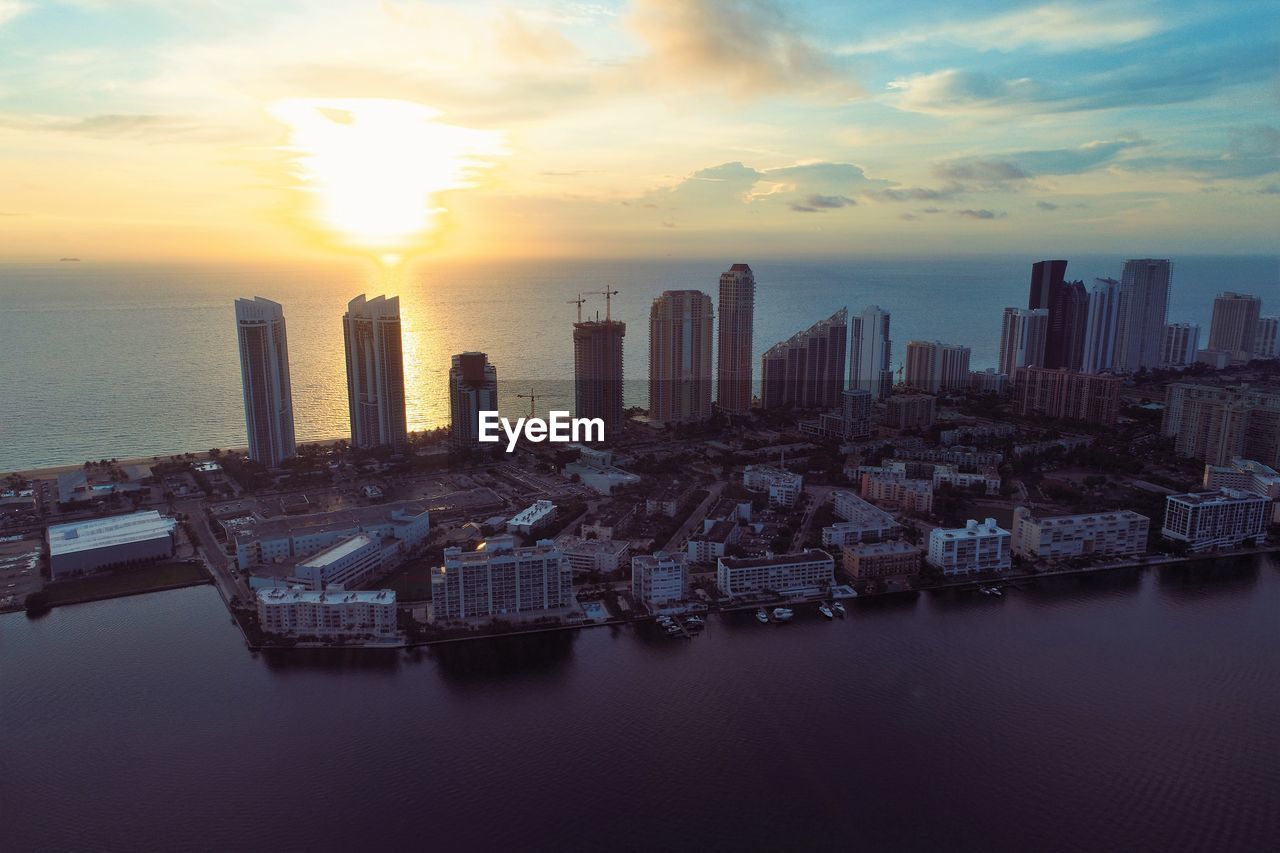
<point>19,571</point>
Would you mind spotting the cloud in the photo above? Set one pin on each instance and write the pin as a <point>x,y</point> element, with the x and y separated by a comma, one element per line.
<point>1270,189</point>
<point>10,9</point>
<point>1046,205</point>
<point>819,203</point>
<point>1250,152</point>
<point>1052,28</point>
<point>749,47</point>
<point>913,193</point>
<point>122,126</point>
<point>980,214</point>
<point>1011,171</point>
<point>987,174</point>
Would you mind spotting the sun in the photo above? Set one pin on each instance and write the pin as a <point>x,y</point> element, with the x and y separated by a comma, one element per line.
<point>371,169</point>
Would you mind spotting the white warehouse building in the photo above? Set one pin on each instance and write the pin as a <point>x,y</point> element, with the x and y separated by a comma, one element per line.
<point>976,547</point>
<point>83,547</point>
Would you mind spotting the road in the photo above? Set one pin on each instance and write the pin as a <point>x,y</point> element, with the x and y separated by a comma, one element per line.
<point>695,518</point>
<point>818,495</point>
<point>215,557</point>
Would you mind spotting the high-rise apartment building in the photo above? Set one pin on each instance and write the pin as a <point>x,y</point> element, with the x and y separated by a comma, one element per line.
<point>1216,424</point>
<point>500,579</point>
<point>807,370</point>
<point>680,324</point>
<point>375,372</point>
<point>597,371</point>
<point>870,353</point>
<point>1067,394</point>
<point>1181,340</point>
<point>264,376</point>
<point>933,366</point>
<point>473,388</point>
<point>1140,320</point>
<point>1023,333</point>
<point>1266,340</point>
<point>1068,306</point>
<point>1223,518</point>
<point>1234,325</point>
<point>1100,326</point>
<point>737,318</point>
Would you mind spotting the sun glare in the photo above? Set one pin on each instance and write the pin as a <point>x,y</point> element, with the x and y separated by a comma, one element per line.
<point>371,169</point>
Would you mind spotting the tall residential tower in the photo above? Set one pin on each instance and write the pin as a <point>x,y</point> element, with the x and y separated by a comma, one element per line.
<point>733,360</point>
<point>1235,325</point>
<point>597,370</point>
<point>1140,320</point>
<point>264,375</point>
<point>870,352</point>
<point>375,372</point>
<point>473,388</point>
<point>807,370</point>
<point>680,324</point>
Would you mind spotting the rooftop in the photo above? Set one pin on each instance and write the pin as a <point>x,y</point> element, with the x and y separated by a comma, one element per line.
<point>336,520</point>
<point>1221,496</point>
<point>297,595</point>
<point>105,532</point>
<point>879,549</point>
<point>811,555</point>
<point>532,514</point>
<point>343,549</point>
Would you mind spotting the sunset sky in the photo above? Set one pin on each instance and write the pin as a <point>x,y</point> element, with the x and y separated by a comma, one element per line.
<point>279,130</point>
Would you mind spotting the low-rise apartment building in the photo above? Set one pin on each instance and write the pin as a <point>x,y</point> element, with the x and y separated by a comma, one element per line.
<point>328,614</point>
<point>786,574</point>
<point>500,579</point>
<point>660,579</point>
<point>869,560</point>
<point>976,547</point>
<point>1122,533</point>
<point>1223,518</point>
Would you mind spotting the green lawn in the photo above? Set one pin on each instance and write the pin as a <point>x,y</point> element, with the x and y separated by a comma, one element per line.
<point>125,582</point>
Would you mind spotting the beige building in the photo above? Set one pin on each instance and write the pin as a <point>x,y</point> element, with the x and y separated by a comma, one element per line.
<point>1114,534</point>
<point>868,560</point>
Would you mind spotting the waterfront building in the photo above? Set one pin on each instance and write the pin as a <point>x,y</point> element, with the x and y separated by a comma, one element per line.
<point>1100,326</point>
<point>1235,325</point>
<point>783,486</point>
<point>405,524</point>
<point>604,556</point>
<point>910,411</point>
<point>1223,518</point>
<point>264,379</point>
<point>1266,340</point>
<point>659,579</point>
<point>375,373</point>
<point>1122,533</point>
<point>989,381</point>
<point>868,560</point>
<point>532,518</point>
<point>809,571</point>
<point>501,579</point>
<point>897,489</point>
<point>473,388</point>
<point>870,353</point>
<point>1068,307</point>
<point>1140,317</point>
<point>328,614</point>
<point>714,540</point>
<point>597,371</point>
<point>976,547</point>
<point>1023,333</point>
<point>733,358</point>
<point>933,366</point>
<point>1215,423</point>
<point>347,564</point>
<point>1249,476</point>
<point>680,323</point>
<point>1181,341</point>
<point>806,371</point>
<point>1067,395</point>
<point>84,547</point>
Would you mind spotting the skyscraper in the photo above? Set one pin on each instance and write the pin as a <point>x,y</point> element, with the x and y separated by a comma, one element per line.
<point>737,316</point>
<point>870,352</point>
<point>1100,327</point>
<point>473,388</point>
<point>1235,325</point>
<point>264,376</point>
<point>597,370</point>
<point>1266,340</point>
<point>680,324</point>
<point>1181,340</point>
<point>934,366</point>
<point>1140,320</point>
<point>375,372</point>
<point>807,370</point>
<point>1022,338</point>
<point>1068,306</point>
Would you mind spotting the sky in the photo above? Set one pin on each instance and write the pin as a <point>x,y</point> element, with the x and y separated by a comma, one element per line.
<point>237,129</point>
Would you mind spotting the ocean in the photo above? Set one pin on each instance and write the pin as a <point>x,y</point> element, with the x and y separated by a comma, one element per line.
<point>120,360</point>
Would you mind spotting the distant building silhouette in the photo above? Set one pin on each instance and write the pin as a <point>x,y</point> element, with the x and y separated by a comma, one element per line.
<point>1140,321</point>
<point>933,366</point>
<point>264,376</point>
<point>375,372</point>
<point>807,370</point>
<point>473,388</point>
<point>1181,341</point>
<point>737,318</point>
<point>1100,329</point>
<point>870,352</point>
<point>597,371</point>
<point>680,338</point>
<point>1022,338</point>
<point>1068,306</point>
<point>1235,325</point>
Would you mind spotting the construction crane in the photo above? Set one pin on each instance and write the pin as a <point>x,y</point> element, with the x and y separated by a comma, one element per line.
<point>608,295</point>
<point>532,397</point>
<point>577,302</point>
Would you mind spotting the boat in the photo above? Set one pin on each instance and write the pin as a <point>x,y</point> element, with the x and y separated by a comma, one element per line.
<point>673,629</point>
<point>825,610</point>
<point>693,620</point>
<point>783,614</point>
<point>995,590</point>
<point>838,607</point>
<point>762,617</point>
